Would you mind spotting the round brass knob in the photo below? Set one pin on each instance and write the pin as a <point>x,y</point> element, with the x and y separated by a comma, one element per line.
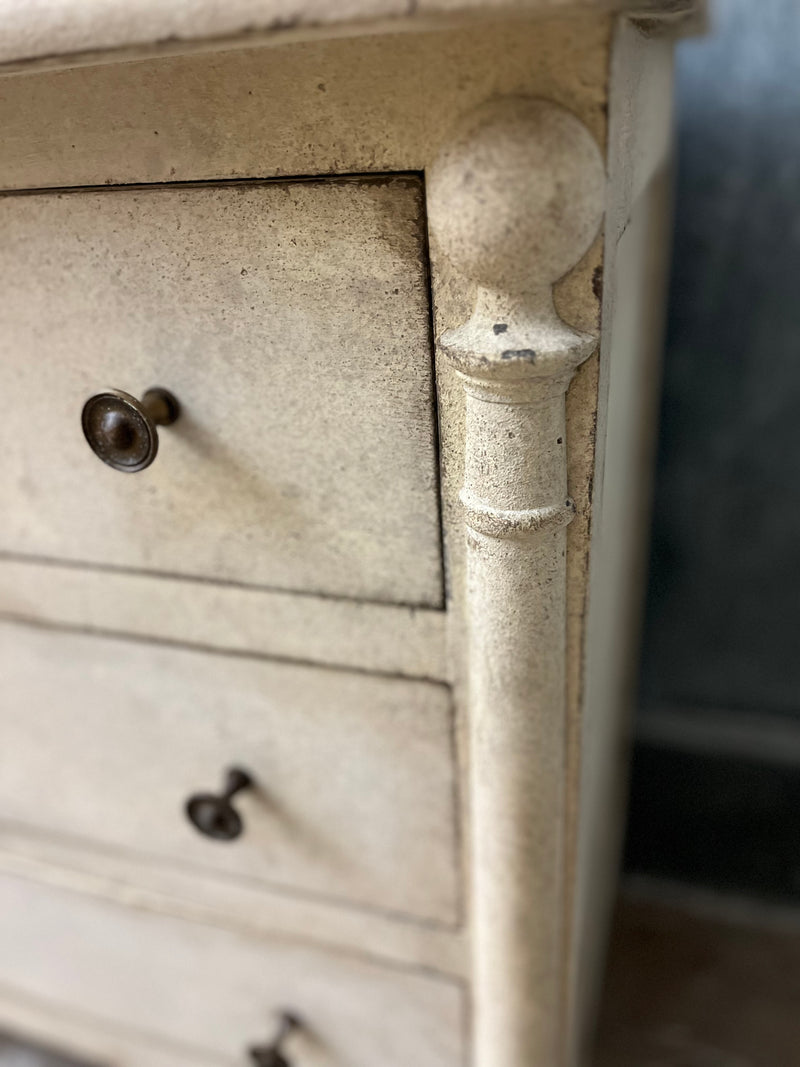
<point>122,431</point>
<point>271,1055</point>
<point>213,814</point>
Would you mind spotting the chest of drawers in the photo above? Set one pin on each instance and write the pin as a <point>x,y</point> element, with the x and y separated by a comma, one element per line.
<point>313,691</point>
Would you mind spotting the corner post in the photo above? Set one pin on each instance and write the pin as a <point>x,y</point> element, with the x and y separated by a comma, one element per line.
<point>514,200</point>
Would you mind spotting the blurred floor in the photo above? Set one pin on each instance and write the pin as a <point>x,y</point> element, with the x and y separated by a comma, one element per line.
<point>714,986</point>
<point>709,986</point>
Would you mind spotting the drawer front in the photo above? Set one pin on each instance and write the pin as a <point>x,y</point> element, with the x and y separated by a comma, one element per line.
<point>215,991</point>
<point>104,740</point>
<point>291,321</point>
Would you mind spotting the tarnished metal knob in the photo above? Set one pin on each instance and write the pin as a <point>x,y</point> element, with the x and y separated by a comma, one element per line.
<point>213,814</point>
<point>122,431</point>
<point>271,1055</point>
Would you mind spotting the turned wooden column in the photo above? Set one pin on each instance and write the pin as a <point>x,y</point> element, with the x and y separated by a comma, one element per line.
<point>514,200</point>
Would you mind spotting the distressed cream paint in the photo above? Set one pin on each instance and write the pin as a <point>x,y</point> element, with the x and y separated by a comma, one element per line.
<point>292,321</point>
<point>450,907</point>
<point>516,358</point>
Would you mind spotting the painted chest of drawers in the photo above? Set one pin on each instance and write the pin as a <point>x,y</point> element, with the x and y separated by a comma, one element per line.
<point>313,689</point>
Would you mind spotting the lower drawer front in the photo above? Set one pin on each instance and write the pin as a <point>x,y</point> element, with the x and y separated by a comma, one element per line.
<point>213,991</point>
<point>104,740</point>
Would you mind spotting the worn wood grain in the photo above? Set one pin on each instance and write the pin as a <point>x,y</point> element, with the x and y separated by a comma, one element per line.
<point>290,320</point>
<point>169,889</point>
<point>355,774</point>
<point>385,638</point>
<point>516,598</point>
<point>67,32</point>
<point>85,958</point>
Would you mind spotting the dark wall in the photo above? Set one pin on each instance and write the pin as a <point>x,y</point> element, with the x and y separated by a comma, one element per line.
<point>722,640</point>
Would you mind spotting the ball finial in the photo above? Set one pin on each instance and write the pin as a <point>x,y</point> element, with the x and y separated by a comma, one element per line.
<point>517,195</point>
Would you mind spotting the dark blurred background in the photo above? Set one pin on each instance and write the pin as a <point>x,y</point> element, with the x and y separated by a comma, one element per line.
<point>715,797</point>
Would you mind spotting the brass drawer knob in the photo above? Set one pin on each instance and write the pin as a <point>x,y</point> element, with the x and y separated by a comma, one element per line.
<point>122,431</point>
<point>213,814</point>
<point>271,1055</point>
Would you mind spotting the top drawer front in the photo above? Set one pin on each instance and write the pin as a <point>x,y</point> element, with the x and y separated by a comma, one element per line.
<point>291,320</point>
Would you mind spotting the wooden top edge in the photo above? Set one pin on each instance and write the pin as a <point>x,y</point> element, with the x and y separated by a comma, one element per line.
<point>64,33</point>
